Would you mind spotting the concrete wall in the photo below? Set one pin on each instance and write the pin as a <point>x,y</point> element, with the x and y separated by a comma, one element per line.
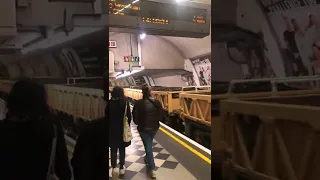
<point>222,68</point>
<point>192,47</point>
<point>250,17</point>
<point>39,65</point>
<point>7,18</point>
<point>170,81</point>
<point>123,49</point>
<point>157,53</point>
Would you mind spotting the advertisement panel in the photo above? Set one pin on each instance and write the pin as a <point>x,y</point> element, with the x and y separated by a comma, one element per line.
<point>297,27</point>
<point>202,66</point>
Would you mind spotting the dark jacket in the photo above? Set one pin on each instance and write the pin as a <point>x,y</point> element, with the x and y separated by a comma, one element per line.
<point>105,87</point>
<point>90,156</point>
<point>115,113</point>
<point>26,147</point>
<point>147,113</point>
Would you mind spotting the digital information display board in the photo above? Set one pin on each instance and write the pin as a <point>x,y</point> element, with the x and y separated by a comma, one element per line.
<point>159,17</point>
<point>156,12</point>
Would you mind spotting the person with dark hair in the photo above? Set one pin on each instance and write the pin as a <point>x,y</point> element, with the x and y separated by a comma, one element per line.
<point>147,113</point>
<point>90,155</point>
<point>292,50</point>
<point>202,78</point>
<point>118,108</point>
<point>30,136</point>
<point>314,22</point>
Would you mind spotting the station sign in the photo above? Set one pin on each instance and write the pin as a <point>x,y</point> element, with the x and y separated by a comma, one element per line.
<point>131,59</point>
<point>112,44</point>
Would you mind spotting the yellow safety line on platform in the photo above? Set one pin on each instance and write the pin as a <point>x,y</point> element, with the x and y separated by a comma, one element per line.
<point>208,160</point>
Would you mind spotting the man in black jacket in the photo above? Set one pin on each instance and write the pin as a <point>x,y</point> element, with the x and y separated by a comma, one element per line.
<point>147,113</point>
<point>90,156</point>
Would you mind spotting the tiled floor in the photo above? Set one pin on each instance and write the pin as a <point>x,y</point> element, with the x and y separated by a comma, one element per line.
<point>166,165</point>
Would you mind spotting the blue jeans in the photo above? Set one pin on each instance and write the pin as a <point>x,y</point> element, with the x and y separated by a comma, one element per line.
<point>147,138</point>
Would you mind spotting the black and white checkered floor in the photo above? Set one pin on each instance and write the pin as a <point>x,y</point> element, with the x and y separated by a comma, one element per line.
<point>166,165</point>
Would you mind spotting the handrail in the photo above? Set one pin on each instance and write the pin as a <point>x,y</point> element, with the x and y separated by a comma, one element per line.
<point>274,81</point>
<point>79,78</point>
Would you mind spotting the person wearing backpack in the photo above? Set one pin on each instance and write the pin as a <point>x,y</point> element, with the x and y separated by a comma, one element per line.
<point>32,141</point>
<point>147,112</point>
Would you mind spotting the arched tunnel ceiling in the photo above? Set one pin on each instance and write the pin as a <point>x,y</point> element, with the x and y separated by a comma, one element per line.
<point>191,47</point>
<point>188,47</point>
<point>31,40</point>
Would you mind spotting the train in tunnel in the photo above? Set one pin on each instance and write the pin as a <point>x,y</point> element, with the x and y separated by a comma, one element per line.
<point>213,92</point>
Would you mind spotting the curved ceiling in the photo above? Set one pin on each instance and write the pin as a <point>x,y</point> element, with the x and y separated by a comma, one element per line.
<point>187,47</point>
<point>191,47</point>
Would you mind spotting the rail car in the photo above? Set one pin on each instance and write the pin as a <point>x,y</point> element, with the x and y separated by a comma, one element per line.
<point>188,110</point>
<point>257,127</point>
<point>194,101</point>
<point>281,133</point>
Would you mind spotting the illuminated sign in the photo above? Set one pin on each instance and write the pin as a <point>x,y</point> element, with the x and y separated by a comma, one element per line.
<point>131,59</point>
<point>157,13</point>
<point>155,20</point>
<point>112,44</point>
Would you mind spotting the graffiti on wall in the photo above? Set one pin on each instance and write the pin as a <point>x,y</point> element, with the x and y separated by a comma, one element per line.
<point>297,26</point>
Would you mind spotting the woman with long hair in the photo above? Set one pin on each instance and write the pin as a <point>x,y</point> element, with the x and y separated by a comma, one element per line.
<point>117,108</point>
<point>27,136</point>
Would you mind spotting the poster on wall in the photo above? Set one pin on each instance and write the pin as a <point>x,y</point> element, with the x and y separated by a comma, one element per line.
<point>204,72</point>
<point>297,27</point>
<point>202,66</point>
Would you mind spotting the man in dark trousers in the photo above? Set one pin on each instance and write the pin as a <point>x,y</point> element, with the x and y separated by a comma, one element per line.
<point>147,113</point>
<point>90,157</point>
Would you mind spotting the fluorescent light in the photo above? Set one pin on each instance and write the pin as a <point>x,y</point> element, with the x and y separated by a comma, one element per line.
<point>127,6</point>
<point>135,1</point>
<point>142,36</point>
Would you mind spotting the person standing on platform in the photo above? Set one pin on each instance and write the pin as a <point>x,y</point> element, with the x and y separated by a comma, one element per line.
<point>147,113</point>
<point>32,141</point>
<point>90,156</point>
<point>118,109</point>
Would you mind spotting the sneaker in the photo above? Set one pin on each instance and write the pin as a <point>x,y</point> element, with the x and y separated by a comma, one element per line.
<point>123,170</point>
<point>153,174</point>
<point>115,173</point>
